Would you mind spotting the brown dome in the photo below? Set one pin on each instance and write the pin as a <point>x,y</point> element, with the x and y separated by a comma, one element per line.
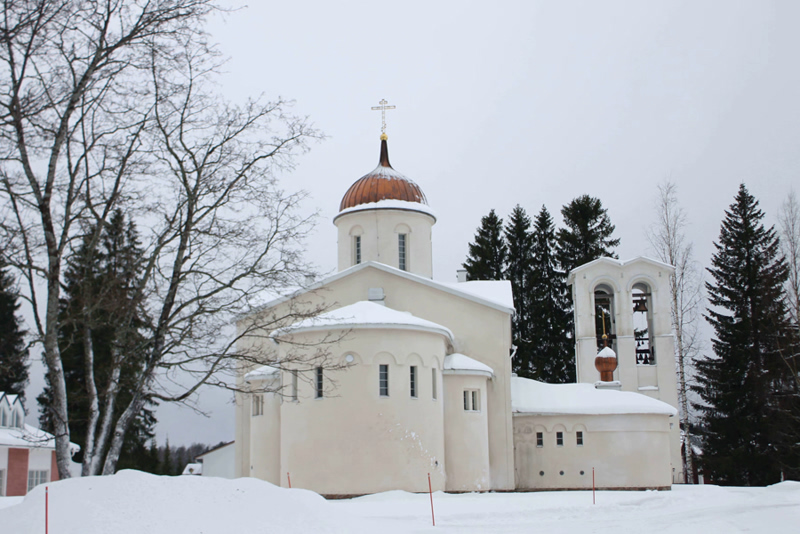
<point>384,183</point>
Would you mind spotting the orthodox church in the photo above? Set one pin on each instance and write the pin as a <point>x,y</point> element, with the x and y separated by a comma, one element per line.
<point>402,379</point>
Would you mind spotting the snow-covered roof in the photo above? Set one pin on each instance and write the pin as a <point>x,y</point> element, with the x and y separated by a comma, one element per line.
<point>365,314</point>
<point>460,364</point>
<point>495,294</point>
<point>193,469</point>
<point>619,263</point>
<point>532,397</point>
<point>607,352</point>
<point>9,398</point>
<point>261,373</point>
<point>390,204</point>
<point>30,437</point>
<point>498,291</point>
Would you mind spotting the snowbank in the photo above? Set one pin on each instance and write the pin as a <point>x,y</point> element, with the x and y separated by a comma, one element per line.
<point>132,502</point>
<point>530,396</point>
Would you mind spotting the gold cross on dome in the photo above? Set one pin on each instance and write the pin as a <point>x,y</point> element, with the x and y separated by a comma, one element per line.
<point>382,108</point>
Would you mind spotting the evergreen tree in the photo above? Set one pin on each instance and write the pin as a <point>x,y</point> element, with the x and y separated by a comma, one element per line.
<point>518,271</point>
<point>740,386</point>
<point>553,357</point>
<point>99,315</point>
<point>587,235</point>
<point>13,351</point>
<point>487,255</point>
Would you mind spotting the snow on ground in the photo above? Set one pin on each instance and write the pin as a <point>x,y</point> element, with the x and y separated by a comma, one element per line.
<point>132,502</point>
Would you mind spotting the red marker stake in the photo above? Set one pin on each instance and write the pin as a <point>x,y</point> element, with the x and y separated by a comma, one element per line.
<point>593,485</point>
<point>290,479</point>
<point>46,508</point>
<point>430,490</point>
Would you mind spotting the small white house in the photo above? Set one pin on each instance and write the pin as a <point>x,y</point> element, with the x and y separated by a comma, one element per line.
<point>27,454</point>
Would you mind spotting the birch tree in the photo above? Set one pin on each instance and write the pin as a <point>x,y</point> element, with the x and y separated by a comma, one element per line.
<point>670,245</point>
<point>789,225</point>
<point>109,105</point>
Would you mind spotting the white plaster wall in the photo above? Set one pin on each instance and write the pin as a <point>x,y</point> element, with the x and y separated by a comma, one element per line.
<point>626,451</point>
<point>265,440</point>
<point>220,463</point>
<point>466,435</point>
<point>379,229</point>
<point>353,441</point>
<point>39,459</point>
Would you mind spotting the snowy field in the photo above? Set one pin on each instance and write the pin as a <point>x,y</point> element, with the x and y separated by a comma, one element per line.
<point>134,503</point>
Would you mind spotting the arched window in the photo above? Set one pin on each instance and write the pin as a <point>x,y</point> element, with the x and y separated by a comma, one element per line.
<point>643,324</point>
<point>604,324</point>
<point>355,236</point>
<point>3,417</point>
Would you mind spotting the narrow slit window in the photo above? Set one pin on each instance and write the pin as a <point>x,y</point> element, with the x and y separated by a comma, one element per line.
<point>472,400</point>
<point>560,439</point>
<point>401,251</point>
<point>579,438</point>
<point>433,383</point>
<point>357,249</point>
<point>383,380</point>
<point>539,439</point>
<point>413,380</point>
<point>320,383</point>
<point>294,385</point>
<point>258,405</point>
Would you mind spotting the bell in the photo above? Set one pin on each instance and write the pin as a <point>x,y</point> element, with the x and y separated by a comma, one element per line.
<point>640,306</point>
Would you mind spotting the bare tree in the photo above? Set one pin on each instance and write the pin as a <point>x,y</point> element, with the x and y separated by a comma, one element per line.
<point>670,245</point>
<point>109,105</point>
<point>789,223</point>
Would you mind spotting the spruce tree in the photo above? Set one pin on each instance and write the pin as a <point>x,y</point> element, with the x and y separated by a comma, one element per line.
<point>487,255</point>
<point>740,385</point>
<point>553,355</point>
<point>519,244</point>
<point>13,351</point>
<point>587,235</point>
<point>99,305</point>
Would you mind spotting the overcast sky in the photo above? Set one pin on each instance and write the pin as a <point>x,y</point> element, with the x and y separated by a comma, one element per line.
<point>525,102</point>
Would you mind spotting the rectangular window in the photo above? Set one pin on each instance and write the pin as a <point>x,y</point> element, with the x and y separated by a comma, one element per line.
<point>579,438</point>
<point>413,380</point>
<point>294,385</point>
<point>401,251</point>
<point>433,383</point>
<point>539,439</point>
<point>357,249</point>
<point>383,380</point>
<point>36,477</point>
<point>560,439</point>
<point>2,483</point>
<point>472,401</point>
<point>319,382</point>
<point>258,405</point>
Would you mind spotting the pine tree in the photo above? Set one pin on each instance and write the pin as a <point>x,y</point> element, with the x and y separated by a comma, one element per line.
<point>740,385</point>
<point>98,314</point>
<point>487,255</point>
<point>519,244</point>
<point>13,351</point>
<point>587,235</point>
<point>553,359</point>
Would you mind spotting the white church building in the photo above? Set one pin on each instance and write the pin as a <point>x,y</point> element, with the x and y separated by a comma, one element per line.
<point>402,376</point>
